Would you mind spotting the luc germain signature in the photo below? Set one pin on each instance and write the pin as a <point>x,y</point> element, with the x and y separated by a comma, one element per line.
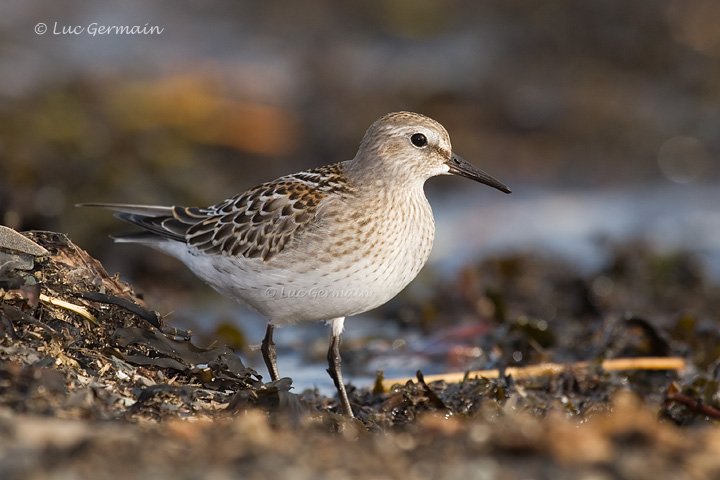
<point>94,29</point>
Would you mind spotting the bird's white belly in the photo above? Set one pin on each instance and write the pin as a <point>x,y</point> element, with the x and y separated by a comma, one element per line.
<point>325,280</point>
<point>287,295</point>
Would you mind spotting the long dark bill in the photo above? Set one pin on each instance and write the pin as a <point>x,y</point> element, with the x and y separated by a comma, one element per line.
<point>460,166</point>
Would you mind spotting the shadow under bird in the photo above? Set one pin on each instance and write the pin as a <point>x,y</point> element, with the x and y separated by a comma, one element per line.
<point>322,244</point>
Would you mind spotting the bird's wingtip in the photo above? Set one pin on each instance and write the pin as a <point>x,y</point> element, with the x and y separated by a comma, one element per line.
<point>144,210</point>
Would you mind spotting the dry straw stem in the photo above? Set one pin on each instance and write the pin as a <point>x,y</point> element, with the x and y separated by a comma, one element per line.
<point>544,369</point>
<point>80,310</point>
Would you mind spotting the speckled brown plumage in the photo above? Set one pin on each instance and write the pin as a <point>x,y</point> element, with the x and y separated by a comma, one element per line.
<point>259,222</point>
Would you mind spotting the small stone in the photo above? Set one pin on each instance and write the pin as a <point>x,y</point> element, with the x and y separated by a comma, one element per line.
<point>12,240</point>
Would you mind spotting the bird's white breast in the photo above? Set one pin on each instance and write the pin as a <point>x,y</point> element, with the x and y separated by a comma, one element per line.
<point>353,261</point>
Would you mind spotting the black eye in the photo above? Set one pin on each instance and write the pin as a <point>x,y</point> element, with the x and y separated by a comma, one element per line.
<point>419,140</point>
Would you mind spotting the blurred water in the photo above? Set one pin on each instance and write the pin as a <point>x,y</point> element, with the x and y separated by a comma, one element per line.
<point>577,224</point>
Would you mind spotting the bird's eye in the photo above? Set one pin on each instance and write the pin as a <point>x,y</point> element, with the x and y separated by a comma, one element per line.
<point>419,140</point>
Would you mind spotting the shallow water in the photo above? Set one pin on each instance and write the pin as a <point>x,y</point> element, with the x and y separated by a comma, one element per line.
<point>576,225</point>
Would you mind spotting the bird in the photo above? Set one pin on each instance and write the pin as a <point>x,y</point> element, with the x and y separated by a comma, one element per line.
<point>323,244</point>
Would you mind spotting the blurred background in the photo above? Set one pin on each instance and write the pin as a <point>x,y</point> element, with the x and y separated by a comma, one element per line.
<point>603,117</point>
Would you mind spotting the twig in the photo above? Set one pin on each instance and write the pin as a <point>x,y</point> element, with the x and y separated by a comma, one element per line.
<point>544,369</point>
<point>80,310</point>
<point>694,405</point>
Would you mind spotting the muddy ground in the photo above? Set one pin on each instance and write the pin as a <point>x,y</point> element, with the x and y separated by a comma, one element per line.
<point>108,390</point>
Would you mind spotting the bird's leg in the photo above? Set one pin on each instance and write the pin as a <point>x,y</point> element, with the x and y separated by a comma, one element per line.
<point>335,363</point>
<point>269,353</point>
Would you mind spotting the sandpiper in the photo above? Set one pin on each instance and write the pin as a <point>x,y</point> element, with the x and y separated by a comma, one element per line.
<point>322,244</point>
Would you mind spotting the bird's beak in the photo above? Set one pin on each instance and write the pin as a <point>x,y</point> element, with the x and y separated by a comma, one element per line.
<point>460,166</point>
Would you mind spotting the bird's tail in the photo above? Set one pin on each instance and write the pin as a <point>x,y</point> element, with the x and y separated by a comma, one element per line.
<point>159,223</point>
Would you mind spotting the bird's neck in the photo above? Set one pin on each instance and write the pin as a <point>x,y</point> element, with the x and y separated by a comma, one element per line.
<point>380,182</point>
